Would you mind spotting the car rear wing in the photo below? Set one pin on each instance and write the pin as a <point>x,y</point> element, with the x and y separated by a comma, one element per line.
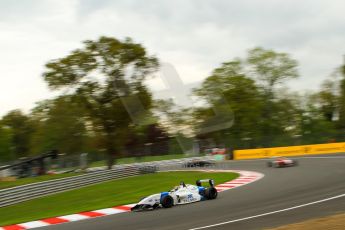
<point>210,181</point>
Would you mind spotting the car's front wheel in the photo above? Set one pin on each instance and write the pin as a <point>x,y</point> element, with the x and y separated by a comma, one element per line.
<point>167,202</point>
<point>275,165</point>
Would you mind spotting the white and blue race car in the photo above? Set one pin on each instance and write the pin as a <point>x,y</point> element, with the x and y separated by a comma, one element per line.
<point>182,194</point>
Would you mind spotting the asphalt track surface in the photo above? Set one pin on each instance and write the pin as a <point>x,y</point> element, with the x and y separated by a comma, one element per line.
<point>246,207</point>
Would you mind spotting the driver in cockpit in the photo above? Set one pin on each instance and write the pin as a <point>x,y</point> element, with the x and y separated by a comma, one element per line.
<point>182,185</point>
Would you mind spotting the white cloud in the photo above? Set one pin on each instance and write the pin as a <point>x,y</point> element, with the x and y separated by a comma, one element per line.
<point>195,36</point>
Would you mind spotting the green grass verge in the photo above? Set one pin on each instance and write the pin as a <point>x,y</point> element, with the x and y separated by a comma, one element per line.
<point>130,160</point>
<point>29,180</point>
<point>108,194</point>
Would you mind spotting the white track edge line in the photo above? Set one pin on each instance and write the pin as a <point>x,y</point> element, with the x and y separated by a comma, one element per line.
<point>269,213</point>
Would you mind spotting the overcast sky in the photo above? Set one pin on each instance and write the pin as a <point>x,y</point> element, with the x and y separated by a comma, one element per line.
<point>195,36</point>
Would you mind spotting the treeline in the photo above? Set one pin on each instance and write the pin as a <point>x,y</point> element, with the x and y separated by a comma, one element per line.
<point>106,107</point>
<point>62,125</point>
<point>265,112</point>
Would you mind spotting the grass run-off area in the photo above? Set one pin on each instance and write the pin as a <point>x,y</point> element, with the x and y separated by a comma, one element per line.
<point>104,195</point>
<point>29,180</point>
<point>335,222</point>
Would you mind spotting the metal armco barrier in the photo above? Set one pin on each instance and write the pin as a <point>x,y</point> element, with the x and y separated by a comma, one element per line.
<point>22,193</point>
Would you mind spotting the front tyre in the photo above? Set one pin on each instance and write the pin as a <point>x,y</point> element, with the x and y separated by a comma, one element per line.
<point>276,165</point>
<point>167,202</point>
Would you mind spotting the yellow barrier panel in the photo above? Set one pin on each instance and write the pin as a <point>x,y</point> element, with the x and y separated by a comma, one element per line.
<point>289,151</point>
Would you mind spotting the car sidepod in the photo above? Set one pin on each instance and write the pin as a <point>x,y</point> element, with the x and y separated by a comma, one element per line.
<point>186,195</point>
<point>202,190</point>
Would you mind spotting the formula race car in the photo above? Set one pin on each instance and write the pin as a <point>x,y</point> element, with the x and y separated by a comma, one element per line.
<point>182,194</point>
<point>278,162</point>
<point>198,163</point>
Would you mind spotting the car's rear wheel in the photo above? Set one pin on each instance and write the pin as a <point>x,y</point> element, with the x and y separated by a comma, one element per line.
<point>167,202</point>
<point>269,164</point>
<point>211,193</point>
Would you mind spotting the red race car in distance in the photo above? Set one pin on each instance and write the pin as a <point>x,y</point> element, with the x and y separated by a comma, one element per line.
<point>279,162</point>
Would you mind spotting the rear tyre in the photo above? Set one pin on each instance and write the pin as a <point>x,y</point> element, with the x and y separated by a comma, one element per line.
<point>295,163</point>
<point>211,193</point>
<point>167,202</point>
<point>269,164</point>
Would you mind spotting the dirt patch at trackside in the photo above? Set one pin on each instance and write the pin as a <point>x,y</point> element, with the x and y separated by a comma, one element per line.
<point>336,222</point>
